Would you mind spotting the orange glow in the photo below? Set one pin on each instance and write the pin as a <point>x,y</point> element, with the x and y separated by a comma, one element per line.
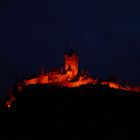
<point>31,81</point>
<point>8,104</point>
<point>134,89</point>
<point>69,72</point>
<point>66,74</point>
<point>80,82</point>
<point>43,79</point>
<point>111,85</point>
<point>71,64</point>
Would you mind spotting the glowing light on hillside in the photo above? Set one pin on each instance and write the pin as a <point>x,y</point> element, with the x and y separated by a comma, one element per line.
<point>69,76</point>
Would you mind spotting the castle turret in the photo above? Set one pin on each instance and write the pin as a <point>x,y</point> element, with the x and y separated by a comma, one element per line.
<point>71,62</point>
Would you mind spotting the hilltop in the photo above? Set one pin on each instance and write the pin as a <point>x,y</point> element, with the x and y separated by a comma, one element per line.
<point>40,95</point>
<point>64,82</point>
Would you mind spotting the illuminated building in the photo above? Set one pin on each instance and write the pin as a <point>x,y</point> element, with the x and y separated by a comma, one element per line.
<point>68,76</point>
<point>64,75</point>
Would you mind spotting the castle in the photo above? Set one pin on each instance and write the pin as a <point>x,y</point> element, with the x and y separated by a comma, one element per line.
<point>69,76</point>
<point>64,75</point>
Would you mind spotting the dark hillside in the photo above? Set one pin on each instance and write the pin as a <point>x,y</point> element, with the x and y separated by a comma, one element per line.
<point>110,114</point>
<point>94,103</point>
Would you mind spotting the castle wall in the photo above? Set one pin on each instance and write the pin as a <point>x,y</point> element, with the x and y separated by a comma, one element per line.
<point>80,82</point>
<point>31,81</point>
<point>111,85</point>
<point>43,79</point>
<point>52,77</point>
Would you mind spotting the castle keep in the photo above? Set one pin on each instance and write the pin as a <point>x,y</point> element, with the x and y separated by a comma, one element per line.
<point>71,63</point>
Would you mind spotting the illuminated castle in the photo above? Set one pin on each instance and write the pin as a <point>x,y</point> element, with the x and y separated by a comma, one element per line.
<point>69,76</point>
<point>64,75</point>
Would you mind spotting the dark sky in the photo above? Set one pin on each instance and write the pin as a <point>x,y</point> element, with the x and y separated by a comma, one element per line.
<point>105,34</point>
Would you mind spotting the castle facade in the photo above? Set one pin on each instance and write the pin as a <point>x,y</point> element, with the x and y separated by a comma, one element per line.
<point>63,75</point>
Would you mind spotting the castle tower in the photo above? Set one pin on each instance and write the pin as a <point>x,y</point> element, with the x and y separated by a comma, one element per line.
<point>71,63</point>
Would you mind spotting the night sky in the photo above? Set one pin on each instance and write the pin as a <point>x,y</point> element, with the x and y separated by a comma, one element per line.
<point>105,34</point>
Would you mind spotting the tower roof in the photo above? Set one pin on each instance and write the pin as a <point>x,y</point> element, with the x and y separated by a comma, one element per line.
<point>71,52</point>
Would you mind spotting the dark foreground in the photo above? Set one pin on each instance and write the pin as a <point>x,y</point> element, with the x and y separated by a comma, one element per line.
<point>83,113</point>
